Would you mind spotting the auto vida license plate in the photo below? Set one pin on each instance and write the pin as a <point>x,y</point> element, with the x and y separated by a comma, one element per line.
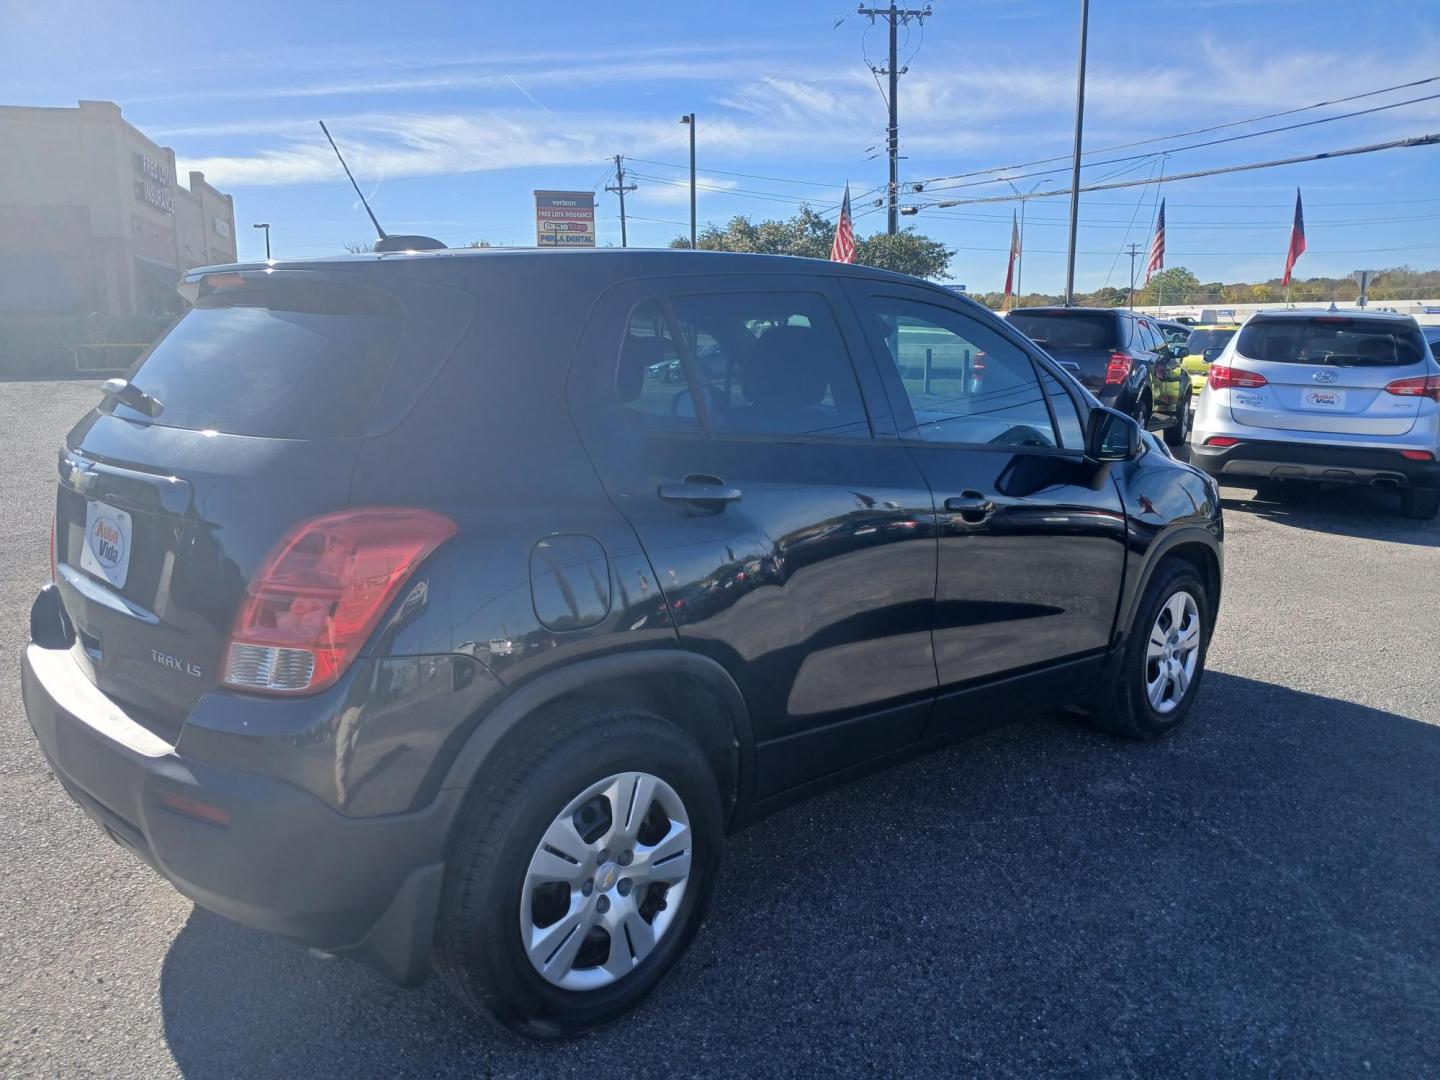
<point>1324,399</point>
<point>106,553</point>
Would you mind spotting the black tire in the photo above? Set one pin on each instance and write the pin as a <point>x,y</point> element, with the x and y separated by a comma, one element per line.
<point>1421,504</point>
<point>1127,710</point>
<point>1142,411</point>
<point>1179,432</point>
<point>478,948</point>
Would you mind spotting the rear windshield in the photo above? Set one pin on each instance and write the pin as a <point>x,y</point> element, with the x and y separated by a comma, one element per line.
<point>292,360</point>
<point>1200,340</point>
<point>1331,340</point>
<point>1067,329</point>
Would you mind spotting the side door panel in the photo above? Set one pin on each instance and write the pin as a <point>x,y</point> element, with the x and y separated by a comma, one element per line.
<point>810,577</point>
<point>1031,537</point>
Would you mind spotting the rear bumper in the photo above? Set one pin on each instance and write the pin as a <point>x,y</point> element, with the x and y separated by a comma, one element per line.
<point>1315,461</point>
<point>255,849</point>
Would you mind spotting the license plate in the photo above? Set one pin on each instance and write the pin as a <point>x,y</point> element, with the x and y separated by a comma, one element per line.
<point>1323,399</point>
<point>106,552</point>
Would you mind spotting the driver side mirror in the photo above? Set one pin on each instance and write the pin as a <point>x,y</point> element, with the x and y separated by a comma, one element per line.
<point>1110,435</point>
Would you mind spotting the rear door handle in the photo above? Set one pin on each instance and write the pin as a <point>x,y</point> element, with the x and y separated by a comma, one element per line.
<point>707,492</point>
<point>972,507</point>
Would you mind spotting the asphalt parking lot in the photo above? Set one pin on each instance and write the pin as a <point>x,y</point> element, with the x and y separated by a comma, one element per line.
<point>1258,895</point>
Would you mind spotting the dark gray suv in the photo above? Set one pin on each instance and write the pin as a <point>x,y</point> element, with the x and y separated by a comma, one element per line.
<point>452,607</point>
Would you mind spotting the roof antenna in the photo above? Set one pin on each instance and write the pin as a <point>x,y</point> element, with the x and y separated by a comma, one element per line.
<point>386,242</point>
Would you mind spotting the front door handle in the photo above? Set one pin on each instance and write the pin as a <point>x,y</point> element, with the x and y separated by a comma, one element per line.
<point>702,491</point>
<point>972,507</point>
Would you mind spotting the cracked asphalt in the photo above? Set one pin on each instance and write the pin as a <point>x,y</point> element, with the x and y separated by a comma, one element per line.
<point>1257,896</point>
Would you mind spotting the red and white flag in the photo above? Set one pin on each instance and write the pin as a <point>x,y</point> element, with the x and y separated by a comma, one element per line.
<point>1014,254</point>
<point>843,248</point>
<point>1297,240</point>
<point>1157,245</point>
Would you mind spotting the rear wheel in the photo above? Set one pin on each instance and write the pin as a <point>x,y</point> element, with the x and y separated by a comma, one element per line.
<point>1178,432</point>
<point>580,872</point>
<point>1159,675</point>
<point>1141,412</point>
<point>1420,503</point>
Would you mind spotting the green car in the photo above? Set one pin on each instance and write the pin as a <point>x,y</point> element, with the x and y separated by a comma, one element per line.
<point>1205,344</point>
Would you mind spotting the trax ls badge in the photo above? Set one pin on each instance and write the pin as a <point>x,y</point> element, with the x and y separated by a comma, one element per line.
<point>174,662</point>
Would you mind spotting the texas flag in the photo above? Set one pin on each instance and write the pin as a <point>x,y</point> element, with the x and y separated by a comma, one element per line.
<point>1297,239</point>
<point>1014,254</point>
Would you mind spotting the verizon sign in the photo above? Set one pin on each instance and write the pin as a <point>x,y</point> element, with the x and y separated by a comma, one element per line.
<point>565,218</point>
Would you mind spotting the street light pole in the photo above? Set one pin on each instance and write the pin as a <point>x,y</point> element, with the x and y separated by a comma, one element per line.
<point>1075,167</point>
<point>689,121</point>
<point>266,226</point>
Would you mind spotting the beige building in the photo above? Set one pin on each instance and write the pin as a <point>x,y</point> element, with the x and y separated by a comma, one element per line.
<point>93,217</point>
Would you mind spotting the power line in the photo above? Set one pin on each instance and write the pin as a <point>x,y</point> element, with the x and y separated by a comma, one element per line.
<point>1394,144</point>
<point>1195,131</point>
<point>1211,142</point>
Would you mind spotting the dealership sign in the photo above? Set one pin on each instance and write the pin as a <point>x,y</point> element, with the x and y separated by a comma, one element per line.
<point>565,218</point>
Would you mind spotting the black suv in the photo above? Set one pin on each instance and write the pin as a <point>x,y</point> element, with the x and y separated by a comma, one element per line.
<point>408,605</point>
<point>1122,358</point>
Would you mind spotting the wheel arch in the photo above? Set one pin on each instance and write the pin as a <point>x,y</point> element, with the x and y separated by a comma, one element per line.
<point>1192,544</point>
<point>686,689</point>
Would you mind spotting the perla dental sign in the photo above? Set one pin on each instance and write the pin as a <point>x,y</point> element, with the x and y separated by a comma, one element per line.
<point>565,218</point>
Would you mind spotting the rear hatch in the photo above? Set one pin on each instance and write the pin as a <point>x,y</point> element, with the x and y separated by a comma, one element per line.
<point>1328,373</point>
<point>1080,341</point>
<point>268,388</point>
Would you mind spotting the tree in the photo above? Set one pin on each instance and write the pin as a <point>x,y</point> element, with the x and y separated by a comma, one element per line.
<point>1172,286</point>
<point>810,235</point>
<point>478,244</point>
<point>359,247</point>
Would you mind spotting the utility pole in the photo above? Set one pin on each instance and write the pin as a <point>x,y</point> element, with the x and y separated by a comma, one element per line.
<point>620,187</point>
<point>1132,251</point>
<point>1075,167</point>
<point>266,226</point>
<point>895,16</point>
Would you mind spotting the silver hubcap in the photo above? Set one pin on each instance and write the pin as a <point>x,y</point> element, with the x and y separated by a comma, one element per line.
<point>606,881</point>
<point>1173,652</point>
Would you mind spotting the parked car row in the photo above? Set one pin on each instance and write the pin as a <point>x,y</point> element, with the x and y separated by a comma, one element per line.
<point>1293,395</point>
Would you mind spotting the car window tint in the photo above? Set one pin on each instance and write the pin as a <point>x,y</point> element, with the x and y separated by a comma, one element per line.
<point>966,382</point>
<point>1331,339</point>
<point>768,363</point>
<point>1067,330</point>
<point>1202,340</point>
<point>650,379</point>
<point>1067,416</point>
<point>277,360</point>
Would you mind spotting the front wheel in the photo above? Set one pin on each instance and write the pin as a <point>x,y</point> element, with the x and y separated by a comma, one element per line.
<point>1159,674</point>
<point>1179,431</point>
<point>580,871</point>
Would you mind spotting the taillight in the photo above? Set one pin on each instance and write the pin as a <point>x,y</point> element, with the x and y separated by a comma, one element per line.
<point>1221,440</point>
<point>1223,378</point>
<point>319,594</point>
<point>1118,370</point>
<point>1421,386</point>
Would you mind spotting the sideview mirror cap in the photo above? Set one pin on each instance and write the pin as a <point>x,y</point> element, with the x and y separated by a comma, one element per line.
<point>1110,435</point>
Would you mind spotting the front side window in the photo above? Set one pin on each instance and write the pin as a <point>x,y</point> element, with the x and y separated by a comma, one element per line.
<point>770,363</point>
<point>966,383</point>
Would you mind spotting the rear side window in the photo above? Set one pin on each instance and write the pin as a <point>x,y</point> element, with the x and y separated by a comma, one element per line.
<point>771,363</point>
<point>1067,330</point>
<point>1331,340</point>
<point>298,360</point>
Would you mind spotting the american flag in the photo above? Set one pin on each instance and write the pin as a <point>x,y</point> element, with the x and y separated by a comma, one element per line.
<point>1157,246</point>
<point>843,249</point>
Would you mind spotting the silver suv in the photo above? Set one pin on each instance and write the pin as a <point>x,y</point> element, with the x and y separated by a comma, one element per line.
<point>1307,395</point>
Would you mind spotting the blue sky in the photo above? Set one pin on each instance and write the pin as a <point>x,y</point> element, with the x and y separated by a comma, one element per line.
<point>451,114</point>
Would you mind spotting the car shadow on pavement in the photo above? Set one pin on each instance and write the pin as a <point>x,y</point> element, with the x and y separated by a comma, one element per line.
<point>1345,510</point>
<point>1253,895</point>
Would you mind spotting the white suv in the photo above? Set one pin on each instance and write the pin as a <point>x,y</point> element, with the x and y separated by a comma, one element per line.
<point>1309,395</point>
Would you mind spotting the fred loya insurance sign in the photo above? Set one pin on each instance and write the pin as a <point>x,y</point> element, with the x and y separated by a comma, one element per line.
<point>565,218</point>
